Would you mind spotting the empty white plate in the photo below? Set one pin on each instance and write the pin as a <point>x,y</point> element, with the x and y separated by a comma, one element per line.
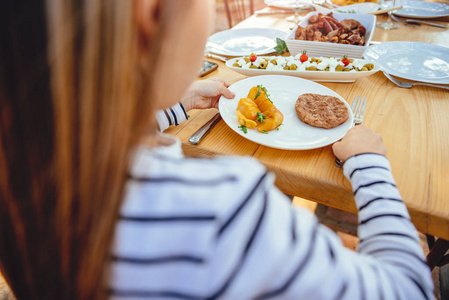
<point>412,60</point>
<point>241,42</point>
<point>419,9</point>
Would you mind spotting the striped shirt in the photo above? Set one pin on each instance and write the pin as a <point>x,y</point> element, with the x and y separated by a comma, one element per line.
<point>220,229</point>
<point>174,115</point>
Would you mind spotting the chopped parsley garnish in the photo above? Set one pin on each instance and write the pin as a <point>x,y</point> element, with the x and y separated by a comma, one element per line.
<point>244,129</point>
<point>258,93</point>
<point>260,117</point>
<point>264,131</point>
<point>261,87</point>
<point>279,126</point>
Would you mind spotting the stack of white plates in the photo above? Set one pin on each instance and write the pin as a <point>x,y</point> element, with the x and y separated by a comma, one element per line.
<point>332,49</point>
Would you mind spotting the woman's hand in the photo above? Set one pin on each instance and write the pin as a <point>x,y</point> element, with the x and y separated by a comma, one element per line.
<point>205,93</point>
<point>357,140</point>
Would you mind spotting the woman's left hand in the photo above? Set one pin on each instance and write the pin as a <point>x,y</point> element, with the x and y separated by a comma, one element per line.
<point>205,93</point>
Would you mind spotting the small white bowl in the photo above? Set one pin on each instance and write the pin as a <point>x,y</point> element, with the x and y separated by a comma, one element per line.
<point>332,49</point>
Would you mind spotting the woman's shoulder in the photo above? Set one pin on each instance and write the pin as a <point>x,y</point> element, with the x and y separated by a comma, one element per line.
<point>207,184</point>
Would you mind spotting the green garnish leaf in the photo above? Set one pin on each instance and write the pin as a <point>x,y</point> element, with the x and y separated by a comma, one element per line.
<point>261,87</point>
<point>258,93</point>
<point>244,129</point>
<point>264,131</point>
<point>260,117</point>
<point>281,46</point>
<point>279,126</point>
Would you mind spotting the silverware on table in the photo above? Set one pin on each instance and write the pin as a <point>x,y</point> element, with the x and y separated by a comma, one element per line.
<point>271,12</point>
<point>215,56</point>
<point>358,109</point>
<point>382,11</point>
<point>325,4</point>
<point>408,84</point>
<point>200,133</point>
<point>417,22</point>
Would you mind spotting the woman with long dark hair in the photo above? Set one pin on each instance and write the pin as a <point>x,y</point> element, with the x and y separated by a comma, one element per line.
<point>96,204</point>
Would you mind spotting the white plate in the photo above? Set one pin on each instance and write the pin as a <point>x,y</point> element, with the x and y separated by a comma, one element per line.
<point>359,8</point>
<point>420,9</point>
<point>332,49</point>
<point>239,42</point>
<point>412,60</point>
<point>284,91</point>
<point>311,75</point>
<point>289,3</point>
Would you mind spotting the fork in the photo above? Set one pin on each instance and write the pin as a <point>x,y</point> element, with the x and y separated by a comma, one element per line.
<point>417,21</point>
<point>407,84</point>
<point>358,110</point>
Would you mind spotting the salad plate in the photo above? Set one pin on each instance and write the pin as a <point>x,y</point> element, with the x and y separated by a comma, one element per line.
<point>293,134</point>
<point>239,42</point>
<point>412,60</point>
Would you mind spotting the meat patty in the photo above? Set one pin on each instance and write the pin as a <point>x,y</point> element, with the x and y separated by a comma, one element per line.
<point>321,110</point>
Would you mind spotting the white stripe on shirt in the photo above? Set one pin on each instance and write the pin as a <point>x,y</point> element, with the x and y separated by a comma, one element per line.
<point>171,116</point>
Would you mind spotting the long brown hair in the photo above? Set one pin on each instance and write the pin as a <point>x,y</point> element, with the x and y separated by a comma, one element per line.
<point>74,100</point>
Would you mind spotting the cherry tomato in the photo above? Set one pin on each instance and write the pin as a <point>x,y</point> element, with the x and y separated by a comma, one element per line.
<point>303,56</point>
<point>253,57</point>
<point>345,60</point>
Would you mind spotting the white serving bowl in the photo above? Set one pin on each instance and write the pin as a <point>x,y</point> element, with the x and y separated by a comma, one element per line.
<point>332,49</point>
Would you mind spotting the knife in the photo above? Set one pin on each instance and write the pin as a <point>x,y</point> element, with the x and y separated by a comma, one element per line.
<point>382,11</point>
<point>271,12</point>
<point>214,56</point>
<point>200,133</point>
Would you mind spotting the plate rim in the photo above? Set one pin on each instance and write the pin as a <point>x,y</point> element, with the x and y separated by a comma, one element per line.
<point>233,53</point>
<point>361,4</point>
<point>349,122</point>
<point>402,75</point>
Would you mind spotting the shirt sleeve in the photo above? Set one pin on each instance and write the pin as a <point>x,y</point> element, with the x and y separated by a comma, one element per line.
<point>171,116</point>
<point>270,250</point>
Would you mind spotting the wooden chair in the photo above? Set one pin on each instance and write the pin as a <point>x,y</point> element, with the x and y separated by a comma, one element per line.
<point>238,10</point>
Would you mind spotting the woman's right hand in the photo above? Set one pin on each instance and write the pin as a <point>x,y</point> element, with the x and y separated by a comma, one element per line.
<point>205,93</point>
<point>357,140</point>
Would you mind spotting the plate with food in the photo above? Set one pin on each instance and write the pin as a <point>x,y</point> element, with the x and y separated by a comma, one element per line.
<point>285,112</point>
<point>238,42</point>
<point>332,34</point>
<point>328,69</point>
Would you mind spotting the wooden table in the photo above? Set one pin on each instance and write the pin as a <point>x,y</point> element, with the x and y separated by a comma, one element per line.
<point>414,124</point>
